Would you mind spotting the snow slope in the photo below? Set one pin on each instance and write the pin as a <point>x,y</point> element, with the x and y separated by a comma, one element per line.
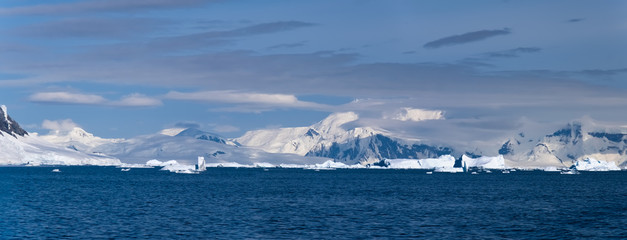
<point>17,147</point>
<point>187,145</point>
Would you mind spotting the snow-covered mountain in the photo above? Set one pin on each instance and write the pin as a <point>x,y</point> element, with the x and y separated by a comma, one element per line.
<point>334,138</point>
<point>77,139</point>
<point>564,147</point>
<point>17,147</point>
<point>180,144</point>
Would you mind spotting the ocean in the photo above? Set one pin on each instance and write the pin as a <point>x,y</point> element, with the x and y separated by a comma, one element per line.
<point>231,203</point>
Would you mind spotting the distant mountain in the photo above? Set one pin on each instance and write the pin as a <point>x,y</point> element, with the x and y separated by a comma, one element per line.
<point>77,139</point>
<point>180,144</point>
<point>17,147</point>
<point>566,146</point>
<point>333,138</point>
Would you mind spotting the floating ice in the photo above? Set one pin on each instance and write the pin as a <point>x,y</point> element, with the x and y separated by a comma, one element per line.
<point>446,161</point>
<point>551,169</point>
<point>497,162</point>
<point>591,164</point>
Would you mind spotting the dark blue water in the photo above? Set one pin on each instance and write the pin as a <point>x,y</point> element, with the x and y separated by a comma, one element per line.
<point>224,203</point>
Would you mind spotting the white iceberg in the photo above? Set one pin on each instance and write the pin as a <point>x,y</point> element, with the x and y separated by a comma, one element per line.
<point>551,169</point>
<point>591,164</point>
<point>445,161</point>
<point>497,162</point>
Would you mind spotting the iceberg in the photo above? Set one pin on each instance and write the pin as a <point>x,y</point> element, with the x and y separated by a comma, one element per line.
<point>157,163</point>
<point>449,169</point>
<point>264,165</point>
<point>551,169</point>
<point>591,164</point>
<point>201,164</point>
<point>445,161</point>
<point>497,162</point>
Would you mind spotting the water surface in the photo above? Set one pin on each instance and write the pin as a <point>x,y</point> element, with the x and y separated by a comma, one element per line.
<point>228,203</point>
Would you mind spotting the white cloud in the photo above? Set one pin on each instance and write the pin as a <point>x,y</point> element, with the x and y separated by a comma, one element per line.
<point>64,125</point>
<point>257,99</point>
<point>415,115</point>
<point>137,100</point>
<point>133,100</point>
<point>67,97</point>
<point>234,97</point>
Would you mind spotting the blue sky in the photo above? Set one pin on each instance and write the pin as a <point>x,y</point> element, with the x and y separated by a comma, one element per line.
<point>120,68</point>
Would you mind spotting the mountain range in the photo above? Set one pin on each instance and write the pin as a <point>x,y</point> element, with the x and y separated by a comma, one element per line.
<point>332,138</point>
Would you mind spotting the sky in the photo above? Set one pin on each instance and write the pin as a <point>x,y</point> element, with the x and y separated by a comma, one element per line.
<point>122,68</point>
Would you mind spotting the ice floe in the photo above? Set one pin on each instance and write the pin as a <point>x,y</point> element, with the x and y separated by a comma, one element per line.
<point>591,164</point>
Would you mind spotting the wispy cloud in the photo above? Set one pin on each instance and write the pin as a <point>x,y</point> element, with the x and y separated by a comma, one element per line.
<point>67,98</point>
<point>288,45</point>
<point>574,20</point>
<point>466,38</point>
<point>98,6</point>
<point>603,72</point>
<point>90,27</point>
<point>137,100</point>
<point>414,114</point>
<point>512,53</point>
<point>133,100</point>
<point>251,101</point>
<point>219,37</point>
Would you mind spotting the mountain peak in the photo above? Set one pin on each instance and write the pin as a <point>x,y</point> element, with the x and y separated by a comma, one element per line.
<point>8,125</point>
<point>78,132</point>
<point>172,131</point>
<point>335,121</point>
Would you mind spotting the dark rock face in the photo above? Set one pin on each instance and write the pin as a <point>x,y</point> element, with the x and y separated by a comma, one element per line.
<point>506,148</point>
<point>10,126</point>
<point>378,147</point>
<point>614,137</point>
<point>570,134</point>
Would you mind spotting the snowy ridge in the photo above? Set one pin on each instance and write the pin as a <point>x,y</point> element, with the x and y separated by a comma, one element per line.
<point>5,114</point>
<point>19,148</point>
<point>8,125</point>
<point>331,139</point>
<point>564,147</point>
<point>301,140</point>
